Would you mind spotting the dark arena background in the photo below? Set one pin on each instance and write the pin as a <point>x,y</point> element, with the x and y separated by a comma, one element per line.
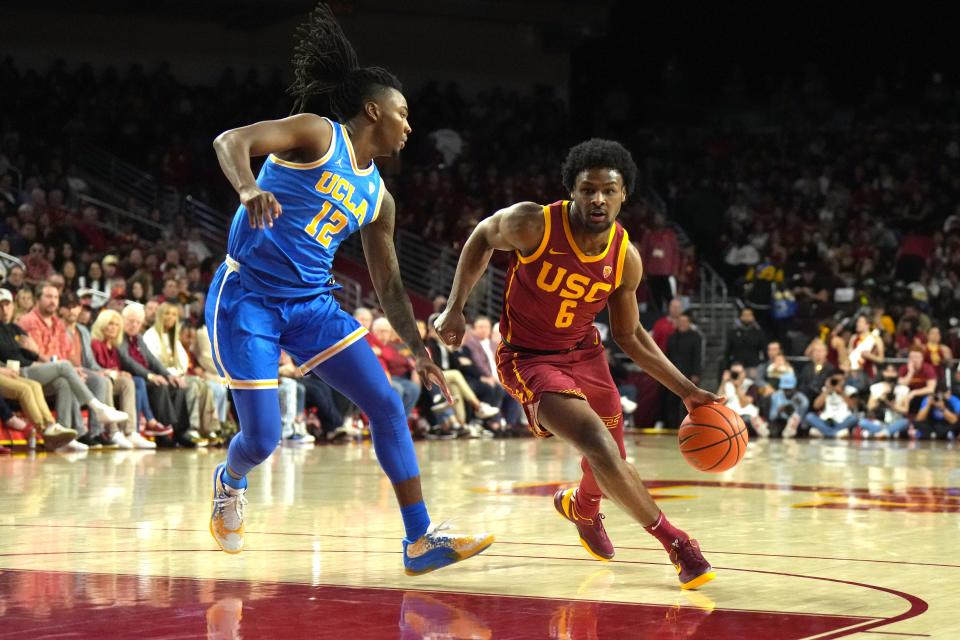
<point>797,213</point>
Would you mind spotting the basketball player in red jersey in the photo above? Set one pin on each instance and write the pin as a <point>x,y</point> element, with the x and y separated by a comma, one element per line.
<point>569,260</point>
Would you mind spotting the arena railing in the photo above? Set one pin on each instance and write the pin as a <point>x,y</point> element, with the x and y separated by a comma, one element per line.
<point>113,221</point>
<point>213,224</point>
<point>428,269</point>
<point>118,175</point>
<point>123,181</point>
<point>350,293</point>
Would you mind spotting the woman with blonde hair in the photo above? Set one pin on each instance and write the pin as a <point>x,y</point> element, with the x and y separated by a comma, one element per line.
<point>107,334</point>
<point>163,340</point>
<point>23,303</point>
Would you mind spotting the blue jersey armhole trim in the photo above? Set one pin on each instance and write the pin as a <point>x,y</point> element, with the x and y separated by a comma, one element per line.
<point>303,166</point>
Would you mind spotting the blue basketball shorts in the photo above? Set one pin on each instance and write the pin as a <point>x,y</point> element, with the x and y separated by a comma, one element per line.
<point>248,329</point>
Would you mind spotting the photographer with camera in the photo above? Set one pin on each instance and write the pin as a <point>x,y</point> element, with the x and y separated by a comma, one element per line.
<point>887,407</point>
<point>738,389</point>
<point>938,415</point>
<point>834,409</point>
<point>787,407</point>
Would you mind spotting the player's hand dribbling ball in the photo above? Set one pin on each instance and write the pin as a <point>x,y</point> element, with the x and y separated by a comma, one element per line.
<point>713,438</point>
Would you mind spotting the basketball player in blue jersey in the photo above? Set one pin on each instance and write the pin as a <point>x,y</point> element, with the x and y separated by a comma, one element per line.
<point>318,185</point>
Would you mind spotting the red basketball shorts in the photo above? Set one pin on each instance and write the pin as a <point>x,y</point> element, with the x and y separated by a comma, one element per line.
<point>583,373</point>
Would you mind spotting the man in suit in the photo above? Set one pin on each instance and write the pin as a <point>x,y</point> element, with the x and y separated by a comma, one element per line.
<point>480,368</point>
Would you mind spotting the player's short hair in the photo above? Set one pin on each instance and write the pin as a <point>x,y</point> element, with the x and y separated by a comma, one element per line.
<point>597,153</point>
<point>325,63</point>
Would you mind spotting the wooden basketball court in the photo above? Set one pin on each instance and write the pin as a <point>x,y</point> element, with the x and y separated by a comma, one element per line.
<point>809,539</point>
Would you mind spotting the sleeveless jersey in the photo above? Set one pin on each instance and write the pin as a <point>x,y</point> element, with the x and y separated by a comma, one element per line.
<point>553,295</point>
<point>323,203</point>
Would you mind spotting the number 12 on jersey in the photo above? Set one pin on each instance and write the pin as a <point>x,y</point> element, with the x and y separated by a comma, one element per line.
<point>333,226</point>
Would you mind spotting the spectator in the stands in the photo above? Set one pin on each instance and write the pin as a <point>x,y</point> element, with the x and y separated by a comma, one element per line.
<point>15,385</point>
<point>661,261</point>
<point>737,387</point>
<point>745,344</point>
<point>106,338</point>
<point>787,407</point>
<point>49,333</point>
<point>480,366</point>
<point>919,377</point>
<point>865,353</point>
<point>664,327</point>
<point>163,341</point>
<point>59,379</point>
<point>293,417</point>
<point>938,415</point>
<point>403,374</point>
<point>38,267</point>
<point>23,303</point>
<point>886,408</point>
<point>122,388</point>
<point>685,351</point>
<point>14,281</point>
<point>448,360</point>
<point>833,409</point>
<point>935,352</point>
<point>94,281</point>
<point>167,399</point>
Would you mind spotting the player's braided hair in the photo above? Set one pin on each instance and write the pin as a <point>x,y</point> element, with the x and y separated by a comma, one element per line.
<point>597,153</point>
<point>324,62</point>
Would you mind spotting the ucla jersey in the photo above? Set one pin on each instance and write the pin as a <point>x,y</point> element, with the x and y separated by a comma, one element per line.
<point>323,203</point>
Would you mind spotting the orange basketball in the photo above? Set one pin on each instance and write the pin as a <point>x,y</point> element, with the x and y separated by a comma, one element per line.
<point>713,438</point>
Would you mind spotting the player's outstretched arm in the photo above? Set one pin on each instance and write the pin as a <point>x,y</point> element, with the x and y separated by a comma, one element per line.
<point>639,345</point>
<point>517,228</point>
<point>381,256</point>
<point>305,134</point>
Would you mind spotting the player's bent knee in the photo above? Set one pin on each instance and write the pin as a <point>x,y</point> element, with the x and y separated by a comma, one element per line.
<point>256,450</point>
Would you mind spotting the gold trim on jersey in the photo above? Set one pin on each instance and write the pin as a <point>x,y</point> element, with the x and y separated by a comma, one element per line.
<point>573,243</point>
<point>353,156</point>
<point>301,166</point>
<point>333,350</point>
<point>621,258</point>
<point>543,243</point>
<point>376,208</point>
<point>506,302</point>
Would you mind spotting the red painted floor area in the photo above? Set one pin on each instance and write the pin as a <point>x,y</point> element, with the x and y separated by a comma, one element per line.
<point>42,604</point>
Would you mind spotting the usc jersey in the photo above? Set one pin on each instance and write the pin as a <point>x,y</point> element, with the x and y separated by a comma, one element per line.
<point>553,295</point>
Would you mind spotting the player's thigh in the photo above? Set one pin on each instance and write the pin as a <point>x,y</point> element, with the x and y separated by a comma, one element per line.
<point>245,335</point>
<point>316,330</point>
<point>571,418</point>
<point>593,377</point>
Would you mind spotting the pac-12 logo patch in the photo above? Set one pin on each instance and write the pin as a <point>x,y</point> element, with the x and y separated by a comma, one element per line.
<point>607,270</point>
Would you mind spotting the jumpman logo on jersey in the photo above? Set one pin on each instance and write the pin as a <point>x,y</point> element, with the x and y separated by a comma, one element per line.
<point>339,162</point>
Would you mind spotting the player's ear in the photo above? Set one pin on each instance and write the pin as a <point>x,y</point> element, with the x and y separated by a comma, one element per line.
<point>372,111</point>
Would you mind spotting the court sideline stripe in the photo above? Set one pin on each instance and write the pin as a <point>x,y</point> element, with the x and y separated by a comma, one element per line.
<point>500,542</point>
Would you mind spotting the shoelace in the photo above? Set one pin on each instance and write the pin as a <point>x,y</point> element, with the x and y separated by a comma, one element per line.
<point>446,525</point>
<point>238,500</point>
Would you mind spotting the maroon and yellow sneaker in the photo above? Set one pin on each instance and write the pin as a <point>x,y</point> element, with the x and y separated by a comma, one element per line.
<point>593,536</point>
<point>692,568</point>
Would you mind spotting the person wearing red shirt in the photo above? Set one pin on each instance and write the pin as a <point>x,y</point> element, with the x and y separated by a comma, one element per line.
<point>403,374</point>
<point>50,335</point>
<point>660,253</point>
<point>919,377</point>
<point>665,326</point>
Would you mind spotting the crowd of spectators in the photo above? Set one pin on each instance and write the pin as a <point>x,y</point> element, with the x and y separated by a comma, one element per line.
<point>821,223</point>
<point>835,221</point>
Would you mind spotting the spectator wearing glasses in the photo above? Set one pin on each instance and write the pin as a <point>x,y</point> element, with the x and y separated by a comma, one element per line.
<point>38,267</point>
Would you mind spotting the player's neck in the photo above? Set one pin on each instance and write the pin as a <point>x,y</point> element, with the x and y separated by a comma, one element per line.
<point>361,138</point>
